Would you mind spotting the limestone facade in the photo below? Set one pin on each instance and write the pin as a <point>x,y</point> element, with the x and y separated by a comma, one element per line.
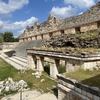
<point>89,20</point>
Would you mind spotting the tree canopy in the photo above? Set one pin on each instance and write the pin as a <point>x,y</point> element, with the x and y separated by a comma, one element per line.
<point>8,37</point>
<point>1,38</point>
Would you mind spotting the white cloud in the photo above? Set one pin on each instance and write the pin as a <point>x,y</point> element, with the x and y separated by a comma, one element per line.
<point>80,3</point>
<point>12,5</point>
<point>80,13</point>
<point>64,11</point>
<point>19,32</point>
<point>7,26</point>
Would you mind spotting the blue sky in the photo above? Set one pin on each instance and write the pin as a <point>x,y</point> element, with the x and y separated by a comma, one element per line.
<point>15,15</point>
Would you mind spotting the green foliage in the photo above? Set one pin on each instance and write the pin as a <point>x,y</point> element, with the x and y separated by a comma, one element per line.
<point>8,37</point>
<point>16,39</point>
<point>62,69</point>
<point>87,35</point>
<point>1,37</point>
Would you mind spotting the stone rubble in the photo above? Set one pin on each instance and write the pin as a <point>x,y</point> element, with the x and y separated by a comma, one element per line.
<point>71,40</point>
<point>10,85</point>
<point>42,80</point>
<point>37,74</point>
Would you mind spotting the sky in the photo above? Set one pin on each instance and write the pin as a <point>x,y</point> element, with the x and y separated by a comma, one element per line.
<point>15,15</point>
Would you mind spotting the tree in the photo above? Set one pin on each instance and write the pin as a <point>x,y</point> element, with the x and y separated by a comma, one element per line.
<point>16,39</point>
<point>8,37</point>
<point>1,38</point>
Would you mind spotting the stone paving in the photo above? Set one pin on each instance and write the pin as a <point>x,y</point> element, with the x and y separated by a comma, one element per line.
<point>31,95</point>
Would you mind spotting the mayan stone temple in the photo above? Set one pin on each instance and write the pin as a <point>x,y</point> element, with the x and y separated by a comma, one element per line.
<point>60,41</point>
<point>89,20</point>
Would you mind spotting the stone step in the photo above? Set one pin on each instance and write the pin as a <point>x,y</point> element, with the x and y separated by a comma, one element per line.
<point>23,57</point>
<point>16,65</point>
<point>14,62</point>
<point>20,49</point>
<point>23,64</point>
<point>20,59</point>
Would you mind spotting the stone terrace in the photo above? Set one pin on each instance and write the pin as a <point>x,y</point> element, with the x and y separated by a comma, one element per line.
<point>72,61</point>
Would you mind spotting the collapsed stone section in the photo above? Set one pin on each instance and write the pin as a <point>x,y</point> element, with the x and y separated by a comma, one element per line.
<point>74,40</point>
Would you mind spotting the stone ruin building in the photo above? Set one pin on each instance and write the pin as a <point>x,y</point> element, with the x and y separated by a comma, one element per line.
<point>89,20</point>
<point>28,53</point>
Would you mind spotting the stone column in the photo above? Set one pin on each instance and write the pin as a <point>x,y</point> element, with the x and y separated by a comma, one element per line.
<point>40,63</point>
<point>68,66</point>
<point>54,65</point>
<point>31,61</point>
<point>33,38</point>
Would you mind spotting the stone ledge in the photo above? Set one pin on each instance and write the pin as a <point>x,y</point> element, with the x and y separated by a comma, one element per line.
<point>79,85</point>
<point>60,55</point>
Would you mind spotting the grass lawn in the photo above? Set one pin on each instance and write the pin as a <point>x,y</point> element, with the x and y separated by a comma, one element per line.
<point>7,70</point>
<point>88,77</point>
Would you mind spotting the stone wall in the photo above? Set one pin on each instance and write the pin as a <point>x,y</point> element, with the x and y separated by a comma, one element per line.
<point>90,16</point>
<point>6,46</point>
<point>90,26</point>
<point>69,89</point>
<point>40,28</point>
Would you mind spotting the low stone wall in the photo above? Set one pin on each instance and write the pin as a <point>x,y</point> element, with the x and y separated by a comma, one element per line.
<point>6,46</point>
<point>69,89</point>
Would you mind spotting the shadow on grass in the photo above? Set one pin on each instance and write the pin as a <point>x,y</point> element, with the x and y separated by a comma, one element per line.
<point>93,81</point>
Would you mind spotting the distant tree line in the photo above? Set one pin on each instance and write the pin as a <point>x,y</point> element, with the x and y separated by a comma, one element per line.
<point>8,37</point>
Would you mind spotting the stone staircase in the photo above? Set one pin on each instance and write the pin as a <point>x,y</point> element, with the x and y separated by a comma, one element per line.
<point>17,62</point>
<point>18,56</point>
<point>20,49</point>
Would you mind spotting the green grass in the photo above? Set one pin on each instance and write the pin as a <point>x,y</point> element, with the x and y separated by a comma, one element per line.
<point>87,35</point>
<point>7,70</point>
<point>88,77</point>
<point>62,69</point>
